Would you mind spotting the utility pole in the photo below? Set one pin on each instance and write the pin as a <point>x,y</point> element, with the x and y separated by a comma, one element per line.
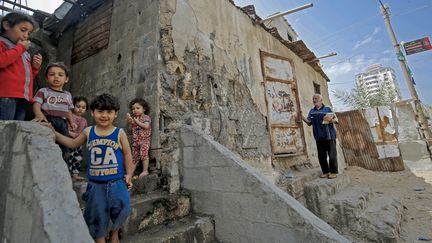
<point>424,127</point>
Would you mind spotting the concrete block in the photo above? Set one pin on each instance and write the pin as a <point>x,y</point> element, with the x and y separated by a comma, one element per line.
<point>197,179</point>
<point>413,150</point>
<point>229,230</point>
<point>186,230</point>
<point>209,203</point>
<point>383,219</point>
<point>268,232</point>
<point>155,208</point>
<point>18,145</point>
<point>228,179</point>
<point>318,190</point>
<point>243,206</point>
<point>188,138</point>
<point>343,209</point>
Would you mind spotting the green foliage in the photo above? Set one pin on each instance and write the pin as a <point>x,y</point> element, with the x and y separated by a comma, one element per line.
<point>359,98</point>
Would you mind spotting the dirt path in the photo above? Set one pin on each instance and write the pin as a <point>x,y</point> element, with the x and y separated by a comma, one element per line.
<point>415,192</point>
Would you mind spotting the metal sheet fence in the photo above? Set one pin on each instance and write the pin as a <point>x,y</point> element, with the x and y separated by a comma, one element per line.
<point>358,144</point>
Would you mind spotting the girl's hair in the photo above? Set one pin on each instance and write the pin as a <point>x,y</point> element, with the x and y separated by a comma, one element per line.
<point>141,102</point>
<point>105,102</point>
<point>14,19</point>
<point>77,99</point>
<point>59,65</point>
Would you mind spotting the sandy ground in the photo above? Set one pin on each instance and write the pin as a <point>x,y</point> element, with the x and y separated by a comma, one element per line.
<point>415,192</point>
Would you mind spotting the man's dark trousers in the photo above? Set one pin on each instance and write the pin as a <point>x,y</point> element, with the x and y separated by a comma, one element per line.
<point>327,147</point>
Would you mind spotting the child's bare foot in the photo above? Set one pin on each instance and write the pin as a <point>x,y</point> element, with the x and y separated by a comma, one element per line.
<point>144,173</point>
<point>77,178</point>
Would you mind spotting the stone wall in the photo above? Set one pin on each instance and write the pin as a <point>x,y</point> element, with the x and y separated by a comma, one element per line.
<point>128,67</point>
<point>245,206</point>
<point>37,203</point>
<point>413,149</point>
<point>213,77</point>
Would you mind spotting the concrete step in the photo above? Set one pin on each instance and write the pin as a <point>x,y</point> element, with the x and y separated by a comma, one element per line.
<point>345,208</point>
<point>383,219</point>
<point>155,208</point>
<point>141,185</point>
<point>361,215</point>
<point>293,182</point>
<point>190,229</point>
<point>320,189</point>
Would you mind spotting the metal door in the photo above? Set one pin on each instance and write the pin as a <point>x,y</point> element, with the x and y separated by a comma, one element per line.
<point>282,105</point>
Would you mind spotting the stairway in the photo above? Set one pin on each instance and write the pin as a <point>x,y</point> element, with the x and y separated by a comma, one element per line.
<point>158,216</point>
<point>353,209</point>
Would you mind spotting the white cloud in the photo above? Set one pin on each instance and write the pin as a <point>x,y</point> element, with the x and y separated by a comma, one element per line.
<point>366,39</point>
<point>339,69</point>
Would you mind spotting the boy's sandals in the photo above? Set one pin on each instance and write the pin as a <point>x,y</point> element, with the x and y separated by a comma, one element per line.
<point>332,176</point>
<point>324,175</point>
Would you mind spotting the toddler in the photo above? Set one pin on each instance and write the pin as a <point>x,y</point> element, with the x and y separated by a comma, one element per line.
<point>75,158</point>
<point>140,125</point>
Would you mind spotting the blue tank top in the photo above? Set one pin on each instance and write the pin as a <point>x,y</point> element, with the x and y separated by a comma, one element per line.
<point>105,161</point>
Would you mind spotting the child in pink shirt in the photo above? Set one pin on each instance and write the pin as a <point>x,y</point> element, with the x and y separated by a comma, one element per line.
<point>80,107</point>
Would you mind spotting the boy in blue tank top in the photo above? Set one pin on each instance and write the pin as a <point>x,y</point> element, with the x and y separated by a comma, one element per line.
<point>110,165</point>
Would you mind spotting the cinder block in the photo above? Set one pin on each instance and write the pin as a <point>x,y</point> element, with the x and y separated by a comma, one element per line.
<point>228,179</point>
<point>196,179</point>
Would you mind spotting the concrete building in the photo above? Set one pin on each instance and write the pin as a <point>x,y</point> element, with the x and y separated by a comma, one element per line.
<point>285,30</point>
<point>377,76</point>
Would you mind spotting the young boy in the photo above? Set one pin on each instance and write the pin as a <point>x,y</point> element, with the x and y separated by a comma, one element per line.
<point>53,104</point>
<point>107,195</point>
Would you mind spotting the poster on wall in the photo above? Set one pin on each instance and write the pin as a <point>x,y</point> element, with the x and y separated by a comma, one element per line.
<point>281,103</point>
<point>286,140</point>
<point>278,69</point>
<point>383,131</point>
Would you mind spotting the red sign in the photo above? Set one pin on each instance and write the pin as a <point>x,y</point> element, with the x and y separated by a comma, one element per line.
<point>417,46</point>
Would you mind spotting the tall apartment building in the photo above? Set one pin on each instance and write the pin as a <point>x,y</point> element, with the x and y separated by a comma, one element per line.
<point>375,77</point>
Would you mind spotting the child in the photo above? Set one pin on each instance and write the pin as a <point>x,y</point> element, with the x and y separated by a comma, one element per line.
<point>140,125</point>
<point>17,68</point>
<point>107,195</point>
<point>53,104</point>
<point>75,158</point>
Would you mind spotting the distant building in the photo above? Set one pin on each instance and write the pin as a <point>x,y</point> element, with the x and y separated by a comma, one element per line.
<point>377,76</point>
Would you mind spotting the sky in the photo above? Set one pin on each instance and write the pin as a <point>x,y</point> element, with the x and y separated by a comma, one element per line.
<point>356,31</point>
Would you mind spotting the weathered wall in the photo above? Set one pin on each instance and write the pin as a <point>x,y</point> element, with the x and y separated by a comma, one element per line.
<point>127,68</point>
<point>37,203</point>
<point>246,207</point>
<point>412,147</point>
<point>215,49</point>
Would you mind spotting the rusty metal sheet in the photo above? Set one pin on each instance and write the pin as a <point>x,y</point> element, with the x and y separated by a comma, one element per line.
<point>361,148</point>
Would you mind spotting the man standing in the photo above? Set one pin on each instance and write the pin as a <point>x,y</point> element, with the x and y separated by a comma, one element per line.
<point>322,118</point>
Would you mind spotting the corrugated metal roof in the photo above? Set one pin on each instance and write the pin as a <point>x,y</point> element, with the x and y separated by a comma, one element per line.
<point>68,14</point>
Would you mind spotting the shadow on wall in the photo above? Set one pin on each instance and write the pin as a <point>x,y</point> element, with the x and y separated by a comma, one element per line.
<point>37,203</point>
